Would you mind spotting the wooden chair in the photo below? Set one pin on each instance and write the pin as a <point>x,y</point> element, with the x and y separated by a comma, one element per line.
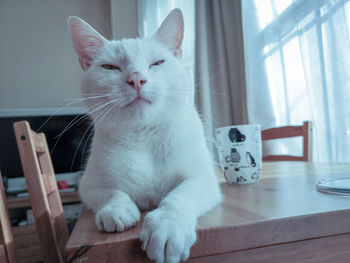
<point>43,191</point>
<point>7,246</point>
<point>304,130</point>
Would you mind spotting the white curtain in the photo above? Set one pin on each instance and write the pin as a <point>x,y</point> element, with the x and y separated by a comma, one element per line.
<point>220,76</point>
<point>298,68</point>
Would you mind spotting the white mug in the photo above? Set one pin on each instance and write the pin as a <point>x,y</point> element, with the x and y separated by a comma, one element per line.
<point>240,152</point>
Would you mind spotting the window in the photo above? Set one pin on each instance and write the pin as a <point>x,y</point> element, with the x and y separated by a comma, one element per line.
<point>303,48</point>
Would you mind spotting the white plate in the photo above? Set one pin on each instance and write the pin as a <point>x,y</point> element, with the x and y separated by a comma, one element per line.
<point>334,186</point>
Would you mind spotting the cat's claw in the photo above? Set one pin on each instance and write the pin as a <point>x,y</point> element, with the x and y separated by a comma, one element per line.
<point>117,217</point>
<point>167,238</point>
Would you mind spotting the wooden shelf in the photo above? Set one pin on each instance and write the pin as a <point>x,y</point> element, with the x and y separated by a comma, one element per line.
<point>27,244</point>
<point>22,202</point>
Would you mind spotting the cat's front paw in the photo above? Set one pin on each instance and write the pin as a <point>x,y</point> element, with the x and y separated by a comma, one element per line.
<point>167,237</point>
<point>117,217</point>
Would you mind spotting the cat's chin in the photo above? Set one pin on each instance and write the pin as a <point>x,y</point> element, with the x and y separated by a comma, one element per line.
<point>139,101</point>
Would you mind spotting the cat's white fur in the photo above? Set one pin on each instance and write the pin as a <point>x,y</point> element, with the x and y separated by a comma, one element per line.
<point>145,156</point>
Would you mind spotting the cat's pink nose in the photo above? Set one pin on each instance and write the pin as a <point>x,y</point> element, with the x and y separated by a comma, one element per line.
<point>136,80</point>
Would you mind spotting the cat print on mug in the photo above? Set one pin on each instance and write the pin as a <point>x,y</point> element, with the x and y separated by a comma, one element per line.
<point>239,150</point>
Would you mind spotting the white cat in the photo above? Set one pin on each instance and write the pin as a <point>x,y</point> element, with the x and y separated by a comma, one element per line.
<point>148,150</point>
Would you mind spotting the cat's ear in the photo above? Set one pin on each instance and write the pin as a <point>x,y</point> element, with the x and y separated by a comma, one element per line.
<point>171,32</point>
<point>86,40</point>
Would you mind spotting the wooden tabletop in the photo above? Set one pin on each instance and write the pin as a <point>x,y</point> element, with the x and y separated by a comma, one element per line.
<point>280,211</point>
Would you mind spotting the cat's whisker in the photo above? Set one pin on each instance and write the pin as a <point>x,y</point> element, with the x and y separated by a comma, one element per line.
<point>83,151</point>
<point>205,90</point>
<point>54,114</point>
<point>85,115</point>
<point>214,64</point>
<point>220,62</point>
<point>209,78</point>
<point>103,83</point>
<point>190,89</point>
<point>100,92</point>
<point>87,140</point>
<point>80,116</point>
<point>194,72</point>
<point>90,98</point>
<point>213,93</point>
<point>77,149</point>
<point>76,120</point>
<point>57,111</point>
<point>199,81</point>
<point>175,78</point>
<point>102,114</point>
<point>198,70</point>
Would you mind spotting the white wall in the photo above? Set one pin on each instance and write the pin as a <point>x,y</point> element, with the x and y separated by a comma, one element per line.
<point>38,65</point>
<point>124,19</point>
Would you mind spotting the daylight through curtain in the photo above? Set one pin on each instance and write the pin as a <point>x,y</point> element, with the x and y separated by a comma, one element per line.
<point>298,68</point>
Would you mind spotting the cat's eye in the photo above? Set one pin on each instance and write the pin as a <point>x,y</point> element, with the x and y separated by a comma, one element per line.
<point>157,63</point>
<point>110,67</point>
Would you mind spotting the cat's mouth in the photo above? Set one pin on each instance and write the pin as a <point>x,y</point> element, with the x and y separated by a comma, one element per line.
<point>138,100</point>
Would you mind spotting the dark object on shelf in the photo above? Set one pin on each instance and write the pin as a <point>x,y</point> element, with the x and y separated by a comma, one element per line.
<point>63,154</point>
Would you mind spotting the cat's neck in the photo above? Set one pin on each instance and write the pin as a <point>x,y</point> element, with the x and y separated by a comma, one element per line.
<point>124,131</point>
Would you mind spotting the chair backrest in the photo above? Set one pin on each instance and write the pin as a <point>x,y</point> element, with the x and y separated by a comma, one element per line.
<point>7,246</point>
<point>304,130</point>
<point>43,192</point>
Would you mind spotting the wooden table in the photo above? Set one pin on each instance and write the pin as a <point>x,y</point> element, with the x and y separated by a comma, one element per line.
<point>3,256</point>
<point>280,219</point>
